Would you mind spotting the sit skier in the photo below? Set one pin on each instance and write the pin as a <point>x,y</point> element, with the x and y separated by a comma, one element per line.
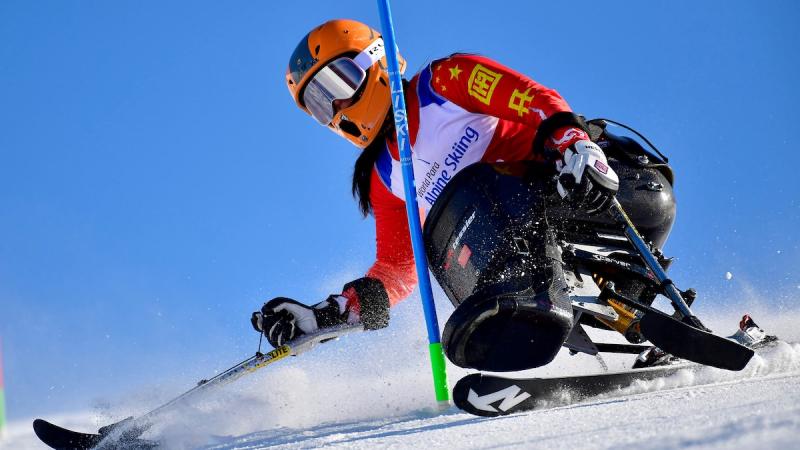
<point>489,147</point>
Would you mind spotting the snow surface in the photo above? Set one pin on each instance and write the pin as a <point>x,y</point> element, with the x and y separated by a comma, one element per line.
<point>372,390</point>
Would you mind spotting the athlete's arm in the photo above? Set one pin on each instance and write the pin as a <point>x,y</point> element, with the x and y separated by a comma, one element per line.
<point>482,85</point>
<point>393,274</point>
<point>394,262</point>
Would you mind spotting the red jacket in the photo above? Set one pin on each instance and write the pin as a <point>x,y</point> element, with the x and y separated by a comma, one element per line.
<point>501,111</point>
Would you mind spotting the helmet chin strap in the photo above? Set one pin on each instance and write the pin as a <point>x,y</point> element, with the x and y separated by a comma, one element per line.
<point>370,55</point>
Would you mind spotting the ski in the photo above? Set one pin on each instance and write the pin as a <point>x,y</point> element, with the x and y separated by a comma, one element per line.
<point>496,395</point>
<point>492,395</point>
<point>125,434</point>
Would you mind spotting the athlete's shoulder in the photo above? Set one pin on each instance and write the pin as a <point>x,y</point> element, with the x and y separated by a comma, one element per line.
<point>463,60</point>
<point>457,58</point>
<point>480,84</point>
<point>461,78</point>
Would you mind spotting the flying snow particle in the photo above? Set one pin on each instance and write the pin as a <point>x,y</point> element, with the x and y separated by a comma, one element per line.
<point>728,275</point>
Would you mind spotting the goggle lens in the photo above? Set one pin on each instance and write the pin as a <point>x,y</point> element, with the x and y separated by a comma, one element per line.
<point>338,80</point>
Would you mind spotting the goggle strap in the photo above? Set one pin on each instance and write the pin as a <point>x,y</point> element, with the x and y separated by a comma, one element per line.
<point>374,52</point>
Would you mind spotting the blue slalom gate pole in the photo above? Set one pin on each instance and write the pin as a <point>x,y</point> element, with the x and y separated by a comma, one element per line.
<point>412,209</point>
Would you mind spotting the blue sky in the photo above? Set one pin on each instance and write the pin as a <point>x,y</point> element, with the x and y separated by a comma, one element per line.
<point>157,183</point>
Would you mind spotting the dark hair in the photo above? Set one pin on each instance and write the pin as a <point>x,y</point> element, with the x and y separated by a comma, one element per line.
<point>362,172</point>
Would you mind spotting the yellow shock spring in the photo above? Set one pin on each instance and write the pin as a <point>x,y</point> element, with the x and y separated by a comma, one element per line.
<point>626,316</point>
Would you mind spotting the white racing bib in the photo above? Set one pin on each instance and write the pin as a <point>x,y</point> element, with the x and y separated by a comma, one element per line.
<point>449,139</point>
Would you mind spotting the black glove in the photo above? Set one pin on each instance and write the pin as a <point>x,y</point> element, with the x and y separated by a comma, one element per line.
<point>283,319</point>
<point>585,179</point>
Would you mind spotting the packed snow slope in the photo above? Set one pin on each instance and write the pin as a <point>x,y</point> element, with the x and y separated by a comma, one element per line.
<point>373,390</point>
<point>757,413</point>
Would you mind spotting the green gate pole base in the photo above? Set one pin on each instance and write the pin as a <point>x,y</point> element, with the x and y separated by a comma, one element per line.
<point>439,375</point>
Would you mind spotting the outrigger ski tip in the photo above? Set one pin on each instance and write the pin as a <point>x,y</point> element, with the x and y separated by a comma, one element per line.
<point>683,340</point>
<point>64,439</point>
<point>690,343</point>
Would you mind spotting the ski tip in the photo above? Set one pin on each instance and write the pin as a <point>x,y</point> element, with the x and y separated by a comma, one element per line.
<point>38,424</point>
<point>57,437</point>
<point>42,426</point>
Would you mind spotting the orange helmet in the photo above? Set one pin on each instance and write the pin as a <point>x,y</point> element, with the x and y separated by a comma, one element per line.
<point>338,74</point>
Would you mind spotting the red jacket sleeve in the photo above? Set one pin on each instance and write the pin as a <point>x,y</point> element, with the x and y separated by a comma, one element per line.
<point>394,265</point>
<point>482,85</point>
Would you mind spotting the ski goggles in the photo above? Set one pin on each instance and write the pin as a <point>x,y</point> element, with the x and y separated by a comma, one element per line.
<point>339,80</point>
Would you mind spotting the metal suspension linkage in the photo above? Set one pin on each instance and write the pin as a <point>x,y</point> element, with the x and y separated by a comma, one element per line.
<point>686,338</point>
<point>671,291</point>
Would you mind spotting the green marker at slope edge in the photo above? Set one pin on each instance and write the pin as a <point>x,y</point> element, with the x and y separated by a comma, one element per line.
<point>2,396</point>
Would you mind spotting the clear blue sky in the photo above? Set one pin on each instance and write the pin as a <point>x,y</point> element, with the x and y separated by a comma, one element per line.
<point>157,183</point>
